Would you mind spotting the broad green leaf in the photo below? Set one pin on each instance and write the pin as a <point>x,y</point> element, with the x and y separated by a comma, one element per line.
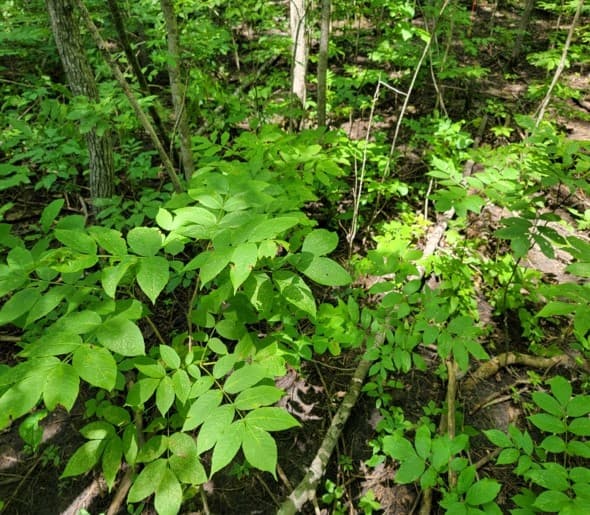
<point>548,423</point>
<point>201,408</point>
<point>20,398</point>
<point>258,396</point>
<point>215,261</point>
<point>578,406</point>
<point>410,470</point>
<point>550,479</point>
<point>561,389</point>
<point>17,305</point>
<point>271,419</point>
<point>97,430</point>
<point>423,441</point>
<point>165,395</point>
<point>548,403</point>
<point>326,271</point>
<point>50,213</point>
<point>148,480</point>
<point>441,453</point>
<point>76,240</point>
<point>200,386</point>
<point>109,239</point>
<point>111,276</point>
<point>169,356</point>
<point>141,391</point>
<point>260,449</point>
<point>145,241</point>
<point>551,501</point>
<point>168,494</point>
<point>85,458</point>
<point>244,260</point>
<point>96,366</point>
<point>553,444</point>
<point>577,448</point>
<point>111,460</point>
<point>115,415</point>
<point>498,438</point>
<point>80,322</point>
<point>507,456</point>
<point>152,449</point>
<point>227,446</point>
<point>295,291</point>
<point>580,426</point>
<point>61,387</point>
<point>398,447</point>
<point>556,308</point>
<point>46,304</point>
<point>152,276</point>
<point>581,269</point>
<point>68,262</point>
<point>214,426</point>
<point>182,385</point>
<point>242,378</point>
<point>270,229</point>
<point>184,461</point>
<point>150,367</point>
<point>320,242</point>
<point>130,444</point>
<point>482,492</point>
<point>121,336</point>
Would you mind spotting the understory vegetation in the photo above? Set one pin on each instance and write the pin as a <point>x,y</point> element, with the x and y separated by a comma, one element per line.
<point>386,311</point>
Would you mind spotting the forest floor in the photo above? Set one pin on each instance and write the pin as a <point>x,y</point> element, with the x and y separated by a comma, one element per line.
<point>29,482</point>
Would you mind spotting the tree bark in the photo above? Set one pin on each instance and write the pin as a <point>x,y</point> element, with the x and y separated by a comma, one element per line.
<point>298,37</point>
<point>177,88</point>
<point>323,61</point>
<point>66,33</point>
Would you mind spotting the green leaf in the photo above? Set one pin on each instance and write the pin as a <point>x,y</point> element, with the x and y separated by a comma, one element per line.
<point>270,229</point>
<point>325,271</point>
<point>398,447</point>
<point>244,260</point>
<point>242,378</point>
<point>50,213</point>
<point>214,426</point>
<point>96,366</point>
<point>553,444</point>
<point>168,494</point>
<point>152,276</point>
<point>141,391</point>
<point>581,269</point>
<point>109,239</point>
<point>182,385</point>
<point>76,240</point>
<point>498,438</point>
<point>145,241</point>
<point>80,322</point>
<point>580,426</point>
<point>577,448</point>
<point>271,419</point>
<point>507,456</point>
<point>482,492</point>
<point>561,389</point>
<point>130,444</point>
<point>153,449</point>
<point>165,395</point>
<point>551,501</point>
<point>554,308</point>
<point>320,242</point>
<point>184,461</point>
<point>410,470</point>
<point>216,260</point>
<point>85,458</point>
<point>423,441</point>
<point>121,336</point>
<point>548,403</point>
<point>260,449</point>
<point>46,304</point>
<point>21,398</point>
<point>257,396</point>
<point>97,430</point>
<point>111,276</point>
<point>578,406</point>
<point>111,460</point>
<point>295,291</point>
<point>61,387</point>
<point>550,478</point>
<point>21,302</point>
<point>169,356</point>
<point>548,423</point>
<point>148,480</point>
<point>227,446</point>
<point>201,408</point>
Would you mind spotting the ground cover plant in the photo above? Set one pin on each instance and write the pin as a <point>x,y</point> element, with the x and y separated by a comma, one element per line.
<point>279,257</point>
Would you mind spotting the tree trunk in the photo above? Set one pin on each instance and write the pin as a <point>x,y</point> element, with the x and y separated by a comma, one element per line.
<point>525,20</point>
<point>298,37</point>
<point>66,33</point>
<point>323,61</point>
<point>177,88</point>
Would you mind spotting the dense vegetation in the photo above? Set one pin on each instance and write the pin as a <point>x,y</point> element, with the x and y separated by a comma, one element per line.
<point>196,226</point>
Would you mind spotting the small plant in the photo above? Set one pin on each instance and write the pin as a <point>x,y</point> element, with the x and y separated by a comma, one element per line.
<point>333,497</point>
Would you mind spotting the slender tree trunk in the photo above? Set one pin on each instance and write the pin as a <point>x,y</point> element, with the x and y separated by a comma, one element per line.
<point>118,19</point>
<point>66,33</point>
<point>177,88</point>
<point>298,37</point>
<point>525,20</point>
<point>323,61</point>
